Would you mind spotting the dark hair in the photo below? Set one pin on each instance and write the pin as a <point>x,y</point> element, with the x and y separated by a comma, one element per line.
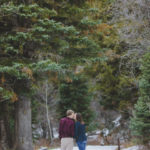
<point>79,117</point>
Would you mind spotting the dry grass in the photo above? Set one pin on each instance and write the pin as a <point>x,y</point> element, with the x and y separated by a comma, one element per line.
<point>93,142</point>
<point>128,144</point>
<point>46,143</point>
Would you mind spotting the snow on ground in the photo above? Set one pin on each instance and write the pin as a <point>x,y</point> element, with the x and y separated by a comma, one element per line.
<point>92,137</point>
<point>96,148</point>
<point>132,148</point>
<point>55,132</point>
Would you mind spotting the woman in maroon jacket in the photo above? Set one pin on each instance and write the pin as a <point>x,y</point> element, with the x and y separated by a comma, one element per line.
<point>66,131</point>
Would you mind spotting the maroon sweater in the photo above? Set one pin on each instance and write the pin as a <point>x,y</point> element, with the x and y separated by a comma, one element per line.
<point>66,127</point>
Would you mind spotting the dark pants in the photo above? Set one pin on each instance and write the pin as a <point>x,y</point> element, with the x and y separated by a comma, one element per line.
<point>81,145</point>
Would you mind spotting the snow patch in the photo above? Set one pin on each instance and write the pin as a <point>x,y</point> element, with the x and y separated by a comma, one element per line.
<point>55,132</point>
<point>117,121</point>
<point>105,132</point>
<point>43,148</point>
<point>98,132</point>
<point>92,137</point>
<point>132,148</point>
<point>96,148</point>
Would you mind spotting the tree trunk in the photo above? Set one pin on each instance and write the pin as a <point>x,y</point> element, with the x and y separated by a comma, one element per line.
<point>23,129</point>
<point>44,128</point>
<point>47,115</point>
<point>52,129</point>
<point>118,144</point>
<point>7,118</point>
<point>3,135</point>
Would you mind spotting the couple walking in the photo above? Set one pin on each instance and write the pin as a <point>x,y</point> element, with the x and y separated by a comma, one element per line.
<point>72,126</point>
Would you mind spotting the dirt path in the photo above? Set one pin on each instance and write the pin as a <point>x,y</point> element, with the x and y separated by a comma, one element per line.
<point>97,148</point>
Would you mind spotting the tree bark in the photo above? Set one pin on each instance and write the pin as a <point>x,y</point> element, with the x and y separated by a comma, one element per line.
<point>47,115</point>
<point>7,118</point>
<point>3,135</point>
<point>118,144</point>
<point>23,129</point>
<point>44,128</point>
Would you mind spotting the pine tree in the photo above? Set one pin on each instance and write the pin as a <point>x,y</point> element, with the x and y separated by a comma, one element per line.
<point>140,122</point>
<point>74,95</point>
<point>34,42</point>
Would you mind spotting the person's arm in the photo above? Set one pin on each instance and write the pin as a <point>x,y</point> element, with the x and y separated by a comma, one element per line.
<point>76,131</point>
<point>72,129</point>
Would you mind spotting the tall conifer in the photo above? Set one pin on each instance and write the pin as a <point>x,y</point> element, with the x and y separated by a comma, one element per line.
<point>140,122</point>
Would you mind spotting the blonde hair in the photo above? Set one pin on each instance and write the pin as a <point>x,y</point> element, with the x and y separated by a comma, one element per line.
<point>69,112</point>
